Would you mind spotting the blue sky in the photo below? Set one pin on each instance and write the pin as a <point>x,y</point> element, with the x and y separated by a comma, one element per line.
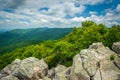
<point>57,13</point>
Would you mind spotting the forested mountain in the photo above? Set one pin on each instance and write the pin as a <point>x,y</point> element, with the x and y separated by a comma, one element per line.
<point>23,37</point>
<point>62,51</point>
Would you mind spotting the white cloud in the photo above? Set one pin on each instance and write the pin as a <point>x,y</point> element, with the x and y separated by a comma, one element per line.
<point>11,15</point>
<point>78,19</point>
<point>90,2</point>
<point>92,12</point>
<point>28,14</point>
<point>63,9</point>
<point>109,19</point>
<point>118,8</point>
<point>48,3</point>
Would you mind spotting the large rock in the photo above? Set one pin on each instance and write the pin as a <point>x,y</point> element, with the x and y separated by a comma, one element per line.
<point>102,51</point>
<point>77,70</point>
<point>107,71</point>
<point>31,68</point>
<point>60,72</point>
<point>8,70</point>
<point>46,78</point>
<point>10,77</point>
<point>89,61</point>
<point>95,64</point>
<point>116,47</point>
<point>51,74</point>
<point>117,61</point>
<point>96,45</point>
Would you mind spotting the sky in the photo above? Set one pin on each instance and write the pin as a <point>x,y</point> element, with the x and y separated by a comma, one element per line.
<point>57,13</point>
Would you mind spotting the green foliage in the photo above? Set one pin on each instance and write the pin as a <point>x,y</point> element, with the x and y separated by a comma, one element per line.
<point>19,38</point>
<point>88,23</point>
<point>62,51</point>
<point>112,35</point>
<point>112,57</point>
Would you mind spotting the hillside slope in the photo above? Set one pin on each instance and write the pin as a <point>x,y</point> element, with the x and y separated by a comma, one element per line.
<point>23,37</point>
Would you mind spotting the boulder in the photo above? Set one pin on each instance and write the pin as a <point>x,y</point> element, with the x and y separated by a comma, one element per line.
<point>8,70</point>
<point>10,77</point>
<point>51,74</point>
<point>96,45</point>
<point>116,47</point>
<point>46,78</point>
<point>89,61</point>
<point>60,72</point>
<point>117,61</point>
<point>102,51</point>
<point>107,71</point>
<point>95,63</point>
<point>31,68</point>
<point>77,70</point>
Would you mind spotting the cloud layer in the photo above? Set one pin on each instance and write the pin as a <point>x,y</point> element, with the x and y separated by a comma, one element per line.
<point>55,13</point>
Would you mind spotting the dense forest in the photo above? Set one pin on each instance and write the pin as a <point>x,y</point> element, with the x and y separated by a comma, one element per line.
<point>18,38</point>
<point>62,51</point>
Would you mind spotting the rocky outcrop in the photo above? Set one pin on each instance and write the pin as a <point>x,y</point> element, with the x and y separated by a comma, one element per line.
<point>31,68</point>
<point>116,47</point>
<point>10,77</point>
<point>8,70</point>
<point>27,69</point>
<point>77,70</point>
<point>117,61</point>
<point>95,63</point>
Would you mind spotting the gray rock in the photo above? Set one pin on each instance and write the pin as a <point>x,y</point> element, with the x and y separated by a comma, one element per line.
<point>116,47</point>
<point>10,68</point>
<point>60,72</point>
<point>60,68</point>
<point>108,70</point>
<point>102,51</point>
<point>10,77</point>
<point>51,73</point>
<point>68,72</point>
<point>96,45</point>
<point>117,61</point>
<point>94,64</point>
<point>46,78</point>
<point>31,68</point>
<point>77,70</point>
<point>89,61</point>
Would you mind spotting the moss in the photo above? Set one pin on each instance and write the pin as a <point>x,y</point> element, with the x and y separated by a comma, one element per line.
<point>112,57</point>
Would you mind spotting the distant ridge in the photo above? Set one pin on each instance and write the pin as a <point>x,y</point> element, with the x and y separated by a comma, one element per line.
<point>16,38</point>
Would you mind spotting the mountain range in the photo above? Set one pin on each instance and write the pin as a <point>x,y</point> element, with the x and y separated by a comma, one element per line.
<point>23,37</point>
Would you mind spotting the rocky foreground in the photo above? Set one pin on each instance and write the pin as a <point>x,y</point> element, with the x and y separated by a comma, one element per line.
<point>95,63</point>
